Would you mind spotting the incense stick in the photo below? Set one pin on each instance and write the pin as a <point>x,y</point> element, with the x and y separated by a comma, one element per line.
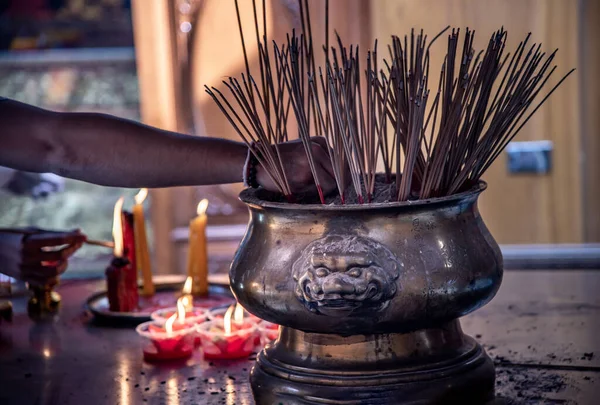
<point>440,144</point>
<point>102,243</point>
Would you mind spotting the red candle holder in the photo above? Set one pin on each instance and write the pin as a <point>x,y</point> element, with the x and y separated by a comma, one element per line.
<point>193,316</point>
<point>219,345</point>
<point>268,332</point>
<point>166,345</point>
<point>219,313</point>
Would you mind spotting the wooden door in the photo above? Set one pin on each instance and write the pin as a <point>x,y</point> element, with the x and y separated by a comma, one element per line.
<point>516,208</point>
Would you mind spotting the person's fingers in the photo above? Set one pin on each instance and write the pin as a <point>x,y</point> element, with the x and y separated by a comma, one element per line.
<point>322,160</point>
<point>328,185</point>
<point>44,269</point>
<point>62,267</point>
<point>321,141</point>
<point>37,241</point>
<point>264,179</point>
<point>61,254</point>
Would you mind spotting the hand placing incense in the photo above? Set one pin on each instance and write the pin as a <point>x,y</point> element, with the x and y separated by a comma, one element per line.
<point>298,168</point>
<point>37,256</point>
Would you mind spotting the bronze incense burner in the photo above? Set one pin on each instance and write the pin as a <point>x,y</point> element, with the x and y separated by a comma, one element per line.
<point>369,298</point>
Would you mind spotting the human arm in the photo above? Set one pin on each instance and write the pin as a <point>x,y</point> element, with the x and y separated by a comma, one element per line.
<point>111,151</point>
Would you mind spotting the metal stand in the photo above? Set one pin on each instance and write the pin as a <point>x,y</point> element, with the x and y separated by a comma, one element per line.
<point>430,366</point>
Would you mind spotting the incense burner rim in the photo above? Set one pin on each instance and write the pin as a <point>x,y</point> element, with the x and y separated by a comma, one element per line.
<point>250,198</point>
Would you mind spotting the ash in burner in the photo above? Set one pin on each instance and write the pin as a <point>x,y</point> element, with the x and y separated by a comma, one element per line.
<point>384,192</point>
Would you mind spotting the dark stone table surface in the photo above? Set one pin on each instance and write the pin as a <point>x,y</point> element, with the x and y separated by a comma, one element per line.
<point>542,330</point>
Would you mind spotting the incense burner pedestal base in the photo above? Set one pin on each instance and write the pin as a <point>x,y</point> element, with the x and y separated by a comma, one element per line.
<point>430,366</point>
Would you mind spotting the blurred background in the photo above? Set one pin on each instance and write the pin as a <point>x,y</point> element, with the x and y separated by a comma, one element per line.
<point>67,55</point>
<point>149,60</point>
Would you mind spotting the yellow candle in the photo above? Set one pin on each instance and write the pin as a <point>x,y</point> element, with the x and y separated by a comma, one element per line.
<point>197,267</point>
<point>142,256</point>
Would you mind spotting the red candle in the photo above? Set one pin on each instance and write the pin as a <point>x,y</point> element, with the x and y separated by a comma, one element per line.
<point>121,275</point>
<point>192,316</point>
<point>169,341</point>
<point>223,339</point>
<point>121,291</point>
<point>240,316</point>
<point>129,239</point>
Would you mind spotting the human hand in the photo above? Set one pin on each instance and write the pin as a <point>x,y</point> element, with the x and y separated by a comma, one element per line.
<point>297,168</point>
<point>37,256</point>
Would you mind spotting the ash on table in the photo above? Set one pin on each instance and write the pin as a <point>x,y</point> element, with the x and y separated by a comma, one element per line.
<point>524,386</point>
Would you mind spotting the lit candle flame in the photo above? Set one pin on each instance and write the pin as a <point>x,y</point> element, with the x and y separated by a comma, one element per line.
<point>202,206</point>
<point>141,196</point>
<point>238,314</point>
<point>180,311</point>
<point>117,230</point>
<point>187,287</point>
<point>227,320</point>
<point>187,299</point>
<point>169,324</point>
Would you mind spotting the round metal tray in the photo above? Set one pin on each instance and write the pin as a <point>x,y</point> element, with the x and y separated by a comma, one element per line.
<point>167,292</point>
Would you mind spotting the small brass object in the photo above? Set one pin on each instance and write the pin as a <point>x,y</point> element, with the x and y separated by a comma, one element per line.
<point>44,302</point>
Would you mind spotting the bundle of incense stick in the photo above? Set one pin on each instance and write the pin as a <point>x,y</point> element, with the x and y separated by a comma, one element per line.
<point>429,145</point>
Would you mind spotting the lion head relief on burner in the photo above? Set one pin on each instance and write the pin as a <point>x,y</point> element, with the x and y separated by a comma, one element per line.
<point>346,275</point>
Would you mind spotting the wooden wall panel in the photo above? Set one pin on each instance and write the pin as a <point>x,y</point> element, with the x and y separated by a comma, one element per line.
<point>523,208</point>
<point>589,79</point>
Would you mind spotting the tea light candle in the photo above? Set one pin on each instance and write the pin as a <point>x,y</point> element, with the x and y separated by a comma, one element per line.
<point>171,340</point>
<point>240,315</point>
<point>192,314</point>
<point>188,315</point>
<point>223,339</point>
